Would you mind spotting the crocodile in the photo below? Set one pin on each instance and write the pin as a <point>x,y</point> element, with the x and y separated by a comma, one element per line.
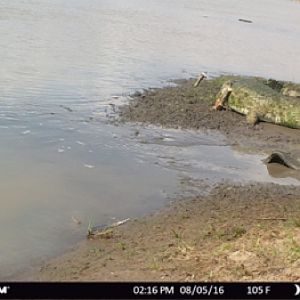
<point>285,88</point>
<point>259,100</point>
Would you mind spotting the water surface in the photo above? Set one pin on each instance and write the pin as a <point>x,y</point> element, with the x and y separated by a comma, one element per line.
<point>63,65</point>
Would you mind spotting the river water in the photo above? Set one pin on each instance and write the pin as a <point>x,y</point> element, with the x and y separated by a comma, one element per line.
<point>65,64</point>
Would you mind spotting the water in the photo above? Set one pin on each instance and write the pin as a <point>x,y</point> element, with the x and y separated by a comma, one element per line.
<point>63,63</point>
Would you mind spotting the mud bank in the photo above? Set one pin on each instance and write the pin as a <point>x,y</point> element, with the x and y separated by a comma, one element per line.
<point>235,233</point>
<point>185,106</point>
<point>229,232</point>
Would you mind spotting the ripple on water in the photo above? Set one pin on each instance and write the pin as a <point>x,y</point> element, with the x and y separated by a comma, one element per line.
<point>60,65</point>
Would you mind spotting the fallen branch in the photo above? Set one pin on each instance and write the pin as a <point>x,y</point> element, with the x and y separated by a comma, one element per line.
<point>102,230</point>
<point>200,78</point>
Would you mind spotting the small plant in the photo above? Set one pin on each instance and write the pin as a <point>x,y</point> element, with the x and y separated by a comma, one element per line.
<point>238,231</point>
<point>90,229</point>
<point>177,235</point>
<point>294,250</point>
<point>154,265</point>
<point>225,247</point>
<point>122,246</point>
<point>296,222</point>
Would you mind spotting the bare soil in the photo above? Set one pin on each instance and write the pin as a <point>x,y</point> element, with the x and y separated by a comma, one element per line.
<point>232,233</point>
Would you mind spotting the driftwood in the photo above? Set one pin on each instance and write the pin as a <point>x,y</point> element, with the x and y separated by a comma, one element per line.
<point>200,78</point>
<point>102,230</point>
<point>245,21</point>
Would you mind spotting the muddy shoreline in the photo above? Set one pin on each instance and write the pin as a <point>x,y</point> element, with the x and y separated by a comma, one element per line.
<point>233,232</point>
<point>185,106</point>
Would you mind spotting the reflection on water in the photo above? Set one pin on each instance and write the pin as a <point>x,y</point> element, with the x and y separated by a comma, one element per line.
<point>64,67</point>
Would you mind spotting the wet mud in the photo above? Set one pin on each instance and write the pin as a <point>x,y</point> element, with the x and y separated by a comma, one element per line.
<point>233,233</point>
<point>228,231</point>
<point>185,106</point>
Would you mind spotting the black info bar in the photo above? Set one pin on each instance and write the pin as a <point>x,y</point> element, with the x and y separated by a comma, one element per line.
<point>149,290</point>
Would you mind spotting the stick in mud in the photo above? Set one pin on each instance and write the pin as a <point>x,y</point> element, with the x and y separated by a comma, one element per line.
<point>200,78</point>
<point>271,219</point>
<point>97,230</point>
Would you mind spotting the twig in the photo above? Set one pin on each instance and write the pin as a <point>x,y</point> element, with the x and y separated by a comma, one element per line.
<point>272,219</point>
<point>116,224</point>
<point>94,231</point>
<point>245,21</point>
